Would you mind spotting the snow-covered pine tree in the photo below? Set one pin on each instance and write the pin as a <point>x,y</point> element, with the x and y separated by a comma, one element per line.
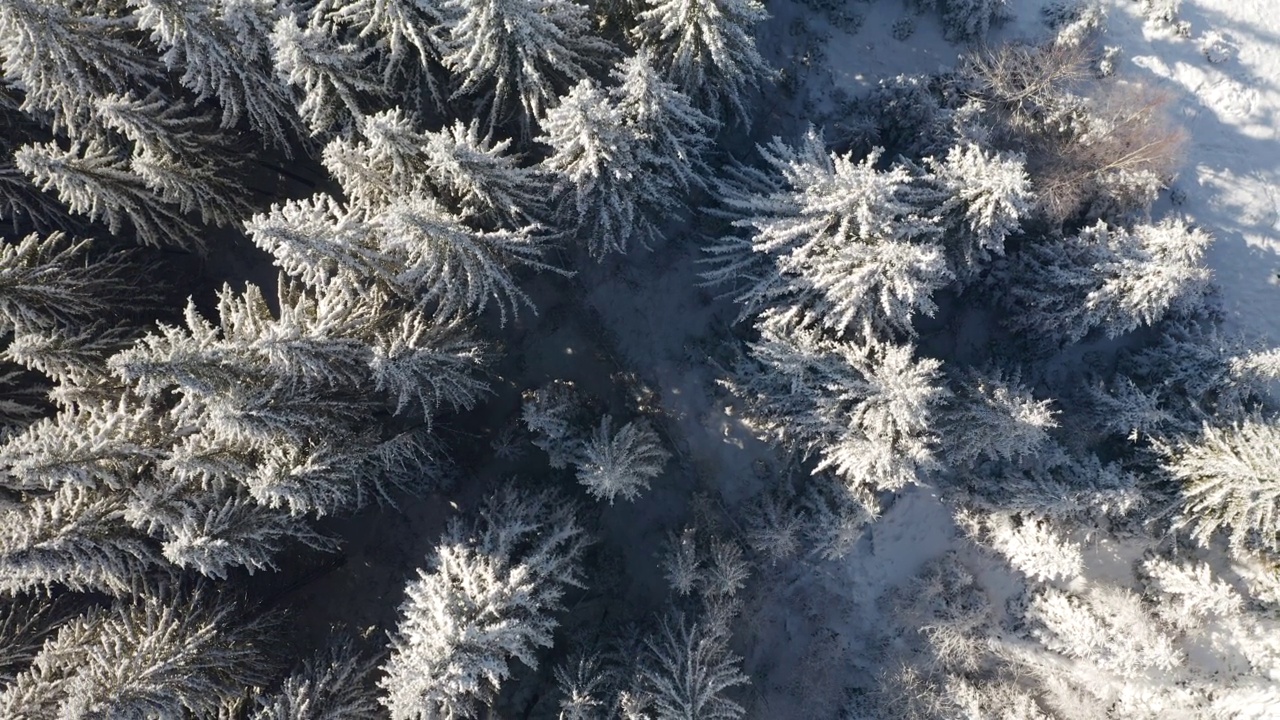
<point>332,77</point>
<point>554,413</point>
<point>609,192</point>
<point>54,281</point>
<point>412,251</point>
<point>476,177</point>
<point>26,621</point>
<point>96,180</point>
<point>179,154</point>
<point>519,54</point>
<point>706,47</point>
<point>223,49</point>
<point>64,56</point>
<point>865,411</point>
<point>487,596</point>
<point>1230,478</point>
<point>584,683</point>
<point>620,464</point>
<point>1197,370</point>
<point>408,34</point>
<point>285,405</point>
<point>332,685</point>
<point>676,133</point>
<point>1108,277</point>
<point>847,246</point>
<point>987,195</point>
<point>968,20</point>
<point>994,416</point>
<point>686,671</point>
<point>73,538</point>
<point>163,653</point>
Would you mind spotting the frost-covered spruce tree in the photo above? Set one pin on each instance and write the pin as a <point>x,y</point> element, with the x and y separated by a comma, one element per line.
<point>1111,278</point>
<point>864,411</point>
<point>179,154</point>
<point>408,34</point>
<point>707,48</point>
<point>968,20</point>
<point>331,77</point>
<point>286,405</point>
<point>620,464</point>
<point>846,246</point>
<point>412,250</point>
<point>994,416</point>
<point>686,673</point>
<point>518,55</point>
<point>96,180</point>
<point>608,190</point>
<point>74,538</point>
<point>488,596</point>
<point>1197,370</point>
<point>555,414</point>
<point>985,198</point>
<point>677,134</point>
<point>161,653</point>
<point>64,56</point>
<point>223,50</point>
<point>332,685</point>
<point>1230,477</point>
<point>475,176</point>
<point>54,281</point>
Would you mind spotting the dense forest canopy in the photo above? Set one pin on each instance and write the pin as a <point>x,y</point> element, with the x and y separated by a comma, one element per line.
<point>322,397</point>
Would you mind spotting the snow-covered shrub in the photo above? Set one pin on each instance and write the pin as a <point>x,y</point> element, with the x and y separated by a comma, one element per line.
<point>487,596</point>
<point>845,245</point>
<point>621,464</point>
<point>1111,278</point>
<point>1216,48</point>
<point>706,48</point>
<point>1230,478</point>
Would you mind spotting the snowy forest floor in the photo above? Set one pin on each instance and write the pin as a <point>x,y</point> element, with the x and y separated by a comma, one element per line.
<point>637,332</point>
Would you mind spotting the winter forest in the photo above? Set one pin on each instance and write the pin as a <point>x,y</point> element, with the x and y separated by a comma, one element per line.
<point>618,359</point>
